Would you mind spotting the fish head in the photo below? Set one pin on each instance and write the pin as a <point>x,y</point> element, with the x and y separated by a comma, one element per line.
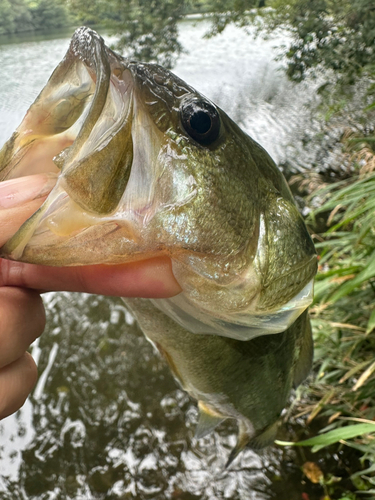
<point>148,166</point>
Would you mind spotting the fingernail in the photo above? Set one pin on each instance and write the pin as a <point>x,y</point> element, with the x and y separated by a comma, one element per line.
<point>15,192</point>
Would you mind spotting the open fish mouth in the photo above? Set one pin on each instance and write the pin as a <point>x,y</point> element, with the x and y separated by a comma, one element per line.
<point>81,128</point>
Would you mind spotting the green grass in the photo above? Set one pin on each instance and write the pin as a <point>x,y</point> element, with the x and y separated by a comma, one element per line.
<point>341,395</point>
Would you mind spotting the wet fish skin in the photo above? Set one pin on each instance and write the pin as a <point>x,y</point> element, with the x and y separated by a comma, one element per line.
<point>148,166</point>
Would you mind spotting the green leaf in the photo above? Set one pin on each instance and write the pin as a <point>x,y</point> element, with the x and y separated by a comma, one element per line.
<point>367,273</point>
<point>371,322</point>
<point>323,440</point>
<point>363,472</point>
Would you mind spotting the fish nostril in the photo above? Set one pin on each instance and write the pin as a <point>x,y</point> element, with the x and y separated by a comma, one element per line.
<point>158,79</point>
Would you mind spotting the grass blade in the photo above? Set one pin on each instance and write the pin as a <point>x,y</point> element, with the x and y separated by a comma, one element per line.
<point>331,437</point>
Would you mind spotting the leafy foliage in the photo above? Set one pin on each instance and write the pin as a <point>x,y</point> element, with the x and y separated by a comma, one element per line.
<point>334,436</point>
<point>343,314</point>
<point>239,12</point>
<point>47,15</point>
<point>20,15</point>
<point>337,35</point>
<point>148,29</point>
<point>14,16</point>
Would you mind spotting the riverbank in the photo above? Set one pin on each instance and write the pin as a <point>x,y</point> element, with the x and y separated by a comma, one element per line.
<point>337,404</point>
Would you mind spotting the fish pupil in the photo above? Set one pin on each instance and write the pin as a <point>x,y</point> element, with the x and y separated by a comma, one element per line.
<point>200,119</point>
<point>200,122</point>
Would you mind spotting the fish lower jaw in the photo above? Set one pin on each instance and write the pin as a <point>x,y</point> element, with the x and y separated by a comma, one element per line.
<point>244,325</point>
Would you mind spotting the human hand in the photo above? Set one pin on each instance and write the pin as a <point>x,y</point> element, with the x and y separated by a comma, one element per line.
<point>22,317</point>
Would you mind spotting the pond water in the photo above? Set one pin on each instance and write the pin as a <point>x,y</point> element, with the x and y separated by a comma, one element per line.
<point>106,419</point>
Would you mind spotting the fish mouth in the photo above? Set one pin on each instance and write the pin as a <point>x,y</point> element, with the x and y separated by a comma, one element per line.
<point>81,129</point>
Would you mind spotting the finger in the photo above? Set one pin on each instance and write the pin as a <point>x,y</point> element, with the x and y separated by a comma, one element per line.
<point>149,278</point>
<point>16,383</point>
<point>22,320</point>
<point>19,199</point>
<point>11,219</point>
<point>15,192</point>
<point>152,278</point>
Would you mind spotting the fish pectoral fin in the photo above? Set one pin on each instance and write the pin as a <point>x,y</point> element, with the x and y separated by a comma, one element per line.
<point>264,438</point>
<point>304,363</point>
<point>208,420</point>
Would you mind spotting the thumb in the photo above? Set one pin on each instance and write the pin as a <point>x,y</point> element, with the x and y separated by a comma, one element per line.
<point>19,199</point>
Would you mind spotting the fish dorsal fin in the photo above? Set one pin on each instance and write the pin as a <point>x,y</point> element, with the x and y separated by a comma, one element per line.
<point>303,365</point>
<point>208,420</point>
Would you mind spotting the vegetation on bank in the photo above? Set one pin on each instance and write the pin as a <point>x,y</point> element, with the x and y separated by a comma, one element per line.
<point>18,16</point>
<point>336,36</point>
<point>340,395</point>
<point>335,43</point>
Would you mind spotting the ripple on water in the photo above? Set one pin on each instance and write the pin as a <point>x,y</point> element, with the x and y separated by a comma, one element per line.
<point>110,422</point>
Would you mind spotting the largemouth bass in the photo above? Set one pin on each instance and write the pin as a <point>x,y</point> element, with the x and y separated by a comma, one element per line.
<point>147,166</point>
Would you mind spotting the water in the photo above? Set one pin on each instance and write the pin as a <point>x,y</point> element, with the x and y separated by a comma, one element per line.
<point>102,424</point>
<point>106,419</point>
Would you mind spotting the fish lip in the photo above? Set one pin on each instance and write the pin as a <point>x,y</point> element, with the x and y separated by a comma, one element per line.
<point>87,46</point>
<point>82,43</point>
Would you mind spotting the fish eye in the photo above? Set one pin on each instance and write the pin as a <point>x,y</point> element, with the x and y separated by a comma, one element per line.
<point>201,120</point>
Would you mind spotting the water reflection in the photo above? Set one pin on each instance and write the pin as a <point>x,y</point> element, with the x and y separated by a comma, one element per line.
<point>240,74</point>
<point>107,420</point>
